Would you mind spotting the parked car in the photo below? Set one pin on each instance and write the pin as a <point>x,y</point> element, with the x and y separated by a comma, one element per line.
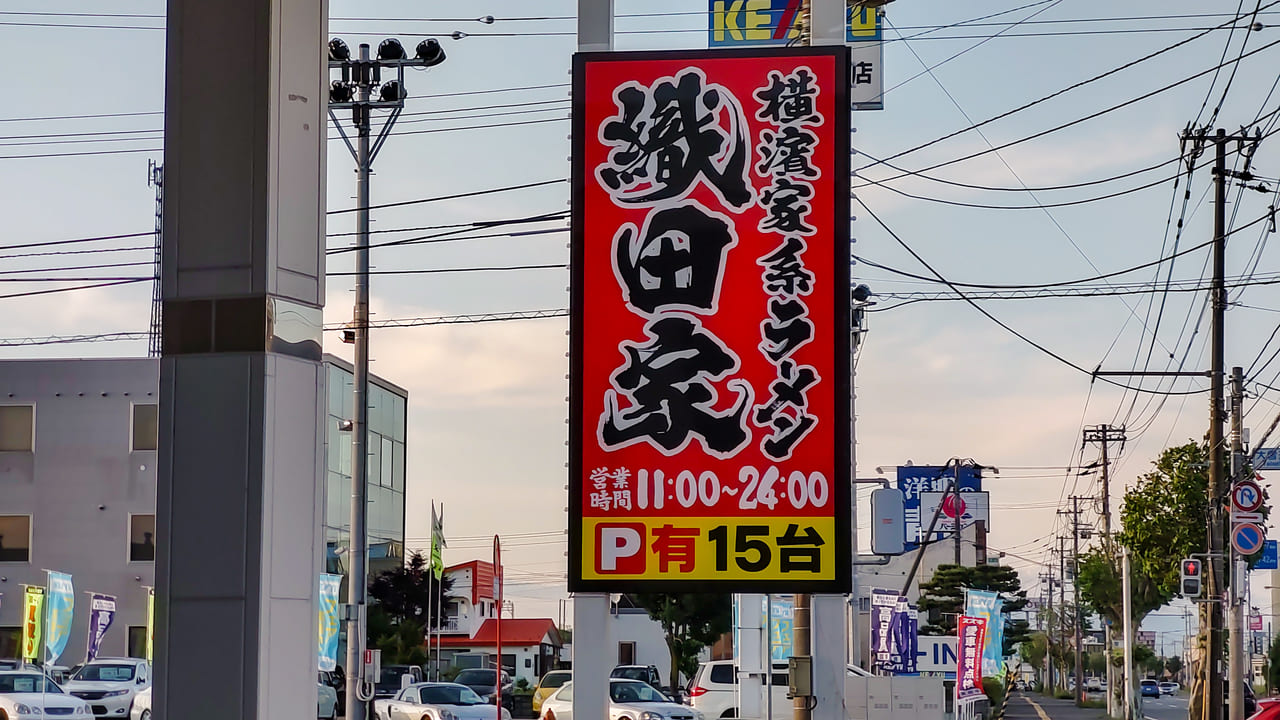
<point>141,706</point>
<point>1093,684</point>
<point>326,699</point>
<point>1149,688</point>
<point>437,701</point>
<point>1250,702</point>
<point>390,682</point>
<point>628,700</point>
<point>110,684</point>
<point>481,681</point>
<point>643,673</point>
<point>547,684</point>
<point>25,694</point>
<point>336,681</point>
<point>712,691</point>
<point>1169,688</point>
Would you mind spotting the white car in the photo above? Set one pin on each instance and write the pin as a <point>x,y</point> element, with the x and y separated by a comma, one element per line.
<point>436,701</point>
<point>628,700</point>
<point>714,688</point>
<point>326,699</point>
<point>141,706</point>
<point>109,685</point>
<point>25,695</point>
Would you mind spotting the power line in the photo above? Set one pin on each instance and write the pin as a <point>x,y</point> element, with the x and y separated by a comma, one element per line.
<point>996,320</point>
<point>456,196</point>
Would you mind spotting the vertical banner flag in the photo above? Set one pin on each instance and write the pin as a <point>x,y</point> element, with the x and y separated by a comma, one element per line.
<point>904,629</point>
<point>781,627</point>
<point>102,611</point>
<point>989,606</point>
<point>971,632</point>
<point>151,623</point>
<point>32,621</point>
<point>328,647</point>
<point>883,603</point>
<point>437,541</point>
<point>709,411</point>
<point>894,630</point>
<point>58,609</point>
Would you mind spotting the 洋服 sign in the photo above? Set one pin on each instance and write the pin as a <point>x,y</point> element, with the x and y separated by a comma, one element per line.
<point>915,480</point>
<point>709,321</point>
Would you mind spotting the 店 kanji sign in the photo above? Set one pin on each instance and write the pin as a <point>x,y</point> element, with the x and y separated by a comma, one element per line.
<point>709,392</point>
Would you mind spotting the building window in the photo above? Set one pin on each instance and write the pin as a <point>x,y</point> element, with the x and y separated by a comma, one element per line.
<point>146,427</point>
<point>626,653</point>
<point>17,428</point>
<point>142,538</point>
<point>137,641</point>
<point>10,638</point>
<point>15,538</point>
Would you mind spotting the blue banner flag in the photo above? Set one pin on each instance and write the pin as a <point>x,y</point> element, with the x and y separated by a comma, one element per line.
<point>328,647</point>
<point>780,627</point>
<point>989,606</point>
<point>58,608</point>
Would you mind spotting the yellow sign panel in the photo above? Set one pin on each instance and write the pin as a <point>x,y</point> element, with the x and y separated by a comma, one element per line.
<point>700,548</point>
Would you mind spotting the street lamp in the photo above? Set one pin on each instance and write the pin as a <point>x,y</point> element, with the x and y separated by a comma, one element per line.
<point>359,83</point>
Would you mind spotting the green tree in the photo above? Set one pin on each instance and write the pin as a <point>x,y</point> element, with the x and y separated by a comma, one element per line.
<point>1173,665</point>
<point>403,598</point>
<point>690,622</point>
<point>1273,664</point>
<point>942,599</point>
<point>1162,521</point>
<point>1096,663</point>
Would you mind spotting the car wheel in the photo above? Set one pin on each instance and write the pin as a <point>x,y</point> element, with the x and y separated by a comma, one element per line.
<point>146,715</point>
<point>730,713</point>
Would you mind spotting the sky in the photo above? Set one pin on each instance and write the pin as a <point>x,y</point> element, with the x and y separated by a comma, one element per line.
<point>936,379</point>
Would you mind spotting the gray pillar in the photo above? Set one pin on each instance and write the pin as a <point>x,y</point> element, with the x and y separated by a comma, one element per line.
<point>239,499</point>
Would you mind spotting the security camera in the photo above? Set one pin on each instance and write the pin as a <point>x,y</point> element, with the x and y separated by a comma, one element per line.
<point>345,425</point>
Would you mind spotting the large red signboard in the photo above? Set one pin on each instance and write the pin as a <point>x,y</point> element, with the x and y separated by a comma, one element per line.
<point>710,427</point>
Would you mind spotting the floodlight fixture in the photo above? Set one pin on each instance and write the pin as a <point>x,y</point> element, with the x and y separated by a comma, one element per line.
<point>391,49</point>
<point>340,92</point>
<point>430,52</point>
<point>338,50</point>
<point>392,91</point>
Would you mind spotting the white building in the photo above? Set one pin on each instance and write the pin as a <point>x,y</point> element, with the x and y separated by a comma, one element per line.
<point>78,453</point>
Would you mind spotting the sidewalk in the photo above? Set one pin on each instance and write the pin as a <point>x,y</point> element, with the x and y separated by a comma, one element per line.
<point>1033,706</point>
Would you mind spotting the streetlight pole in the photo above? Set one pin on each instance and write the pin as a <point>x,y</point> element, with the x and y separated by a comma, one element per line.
<point>360,77</point>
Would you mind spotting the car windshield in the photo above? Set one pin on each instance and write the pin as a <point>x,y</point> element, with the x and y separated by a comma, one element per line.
<point>631,673</point>
<point>554,680</point>
<point>450,695</point>
<point>633,692</point>
<point>106,673</point>
<point>25,683</point>
<point>476,676</point>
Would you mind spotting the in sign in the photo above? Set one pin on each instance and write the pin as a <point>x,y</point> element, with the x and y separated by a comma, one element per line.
<point>1247,538</point>
<point>1246,496</point>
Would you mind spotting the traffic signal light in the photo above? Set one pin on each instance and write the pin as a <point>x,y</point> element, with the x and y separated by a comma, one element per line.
<point>1191,578</point>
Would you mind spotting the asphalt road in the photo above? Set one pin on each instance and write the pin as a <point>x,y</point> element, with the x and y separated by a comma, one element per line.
<point>1166,707</point>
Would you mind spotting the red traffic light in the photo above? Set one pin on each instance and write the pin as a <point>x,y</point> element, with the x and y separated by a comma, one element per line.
<point>1190,567</point>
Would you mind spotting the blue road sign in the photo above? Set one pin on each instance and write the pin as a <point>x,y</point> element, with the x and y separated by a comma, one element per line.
<point>1247,538</point>
<point>1269,557</point>
<point>1266,459</point>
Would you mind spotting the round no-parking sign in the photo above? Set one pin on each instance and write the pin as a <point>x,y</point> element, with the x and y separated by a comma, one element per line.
<point>1247,539</point>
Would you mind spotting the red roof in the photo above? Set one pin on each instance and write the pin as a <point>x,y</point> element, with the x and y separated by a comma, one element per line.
<point>515,632</point>
<point>481,578</point>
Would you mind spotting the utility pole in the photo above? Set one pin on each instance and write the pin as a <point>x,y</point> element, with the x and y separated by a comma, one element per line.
<point>1236,658</point>
<point>1075,591</point>
<point>1127,592</point>
<point>955,507</point>
<point>1103,436</point>
<point>1218,297</point>
<point>1062,595</point>
<point>1048,626</point>
<point>360,77</point>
